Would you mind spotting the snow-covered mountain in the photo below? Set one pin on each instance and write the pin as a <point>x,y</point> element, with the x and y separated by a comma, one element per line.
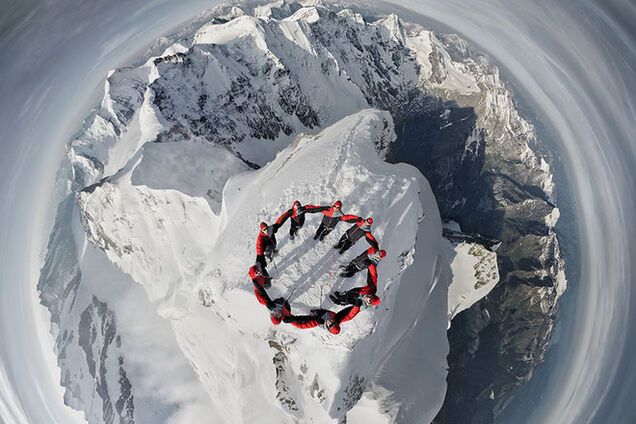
<point>223,125</point>
<point>174,246</point>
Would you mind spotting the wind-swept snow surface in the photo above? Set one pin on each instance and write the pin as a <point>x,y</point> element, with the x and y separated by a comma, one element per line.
<point>175,246</point>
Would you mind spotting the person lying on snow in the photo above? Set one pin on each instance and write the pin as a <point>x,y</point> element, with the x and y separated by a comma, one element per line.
<point>261,282</point>
<point>331,218</point>
<point>328,319</point>
<point>265,245</point>
<point>361,228</point>
<point>297,215</point>
<point>367,259</point>
<point>360,295</point>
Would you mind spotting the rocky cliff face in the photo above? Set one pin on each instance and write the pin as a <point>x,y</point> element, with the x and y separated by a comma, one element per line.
<point>89,349</point>
<point>492,176</point>
<point>240,84</point>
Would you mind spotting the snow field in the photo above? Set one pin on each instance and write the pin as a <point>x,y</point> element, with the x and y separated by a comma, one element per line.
<point>173,245</point>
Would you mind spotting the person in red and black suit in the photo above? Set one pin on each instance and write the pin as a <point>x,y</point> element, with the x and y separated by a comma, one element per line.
<point>331,218</point>
<point>265,245</point>
<point>328,319</point>
<point>261,282</point>
<point>297,215</point>
<point>365,295</point>
<point>360,228</point>
<point>370,259</point>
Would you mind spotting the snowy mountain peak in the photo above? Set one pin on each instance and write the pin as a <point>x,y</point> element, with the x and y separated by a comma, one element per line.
<point>173,244</point>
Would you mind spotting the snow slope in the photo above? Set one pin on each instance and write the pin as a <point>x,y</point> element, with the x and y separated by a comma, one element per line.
<point>174,245</point>
<point>474,274</point>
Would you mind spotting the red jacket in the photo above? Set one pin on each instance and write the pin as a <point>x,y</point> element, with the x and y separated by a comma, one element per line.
<point>364,290</point>
<point>263,241</point>
<point>372,276</point>
<point>363,261</point>
<point>259,286</point>
<point>371,250</point>
<point>372,284</point>
<point>346,314</point>
<point>257,279</point>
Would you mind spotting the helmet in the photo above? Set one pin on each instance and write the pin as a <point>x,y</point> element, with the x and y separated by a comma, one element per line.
<point>382,253</point>
<point>375,300</point>
<point>337,204</point>
<point>369,220</point>
<point>263,226</point>
<point>296,204</point>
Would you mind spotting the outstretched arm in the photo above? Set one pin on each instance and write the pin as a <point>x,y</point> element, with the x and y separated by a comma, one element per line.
<point>350,218</point>
<point>262,296</point>
<point>281,219</point>
<point>361,291</point>
<point>372,241</point>
<point>303,321</point>
<point>372,277</point>
<point>260,246</point>
<point>314,208</point>
<point>347,314</point>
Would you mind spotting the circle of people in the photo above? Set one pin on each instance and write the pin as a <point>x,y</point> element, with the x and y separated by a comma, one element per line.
<point>353,299</point>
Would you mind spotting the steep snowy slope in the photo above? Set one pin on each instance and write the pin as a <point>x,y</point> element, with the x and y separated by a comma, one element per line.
<point>174,245</point>
<point>474,274</point>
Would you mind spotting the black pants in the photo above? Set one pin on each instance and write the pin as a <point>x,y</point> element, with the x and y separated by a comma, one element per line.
<point>344,298</point>
<point>322,231</point>
<point>260,259</point>
<point>269,253</point>
<point>351,297</point>
<point>343,244</point>
<point>349,271</point>
<point>293,229</point>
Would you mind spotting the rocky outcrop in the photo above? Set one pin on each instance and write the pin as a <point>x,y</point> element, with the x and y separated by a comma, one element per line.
<point>89,349</point>
<point>97,336</point>
<point>491,175</point>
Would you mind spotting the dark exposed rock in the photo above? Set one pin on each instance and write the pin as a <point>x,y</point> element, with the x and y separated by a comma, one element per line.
<point>476,170</point>
<point>97,333</point>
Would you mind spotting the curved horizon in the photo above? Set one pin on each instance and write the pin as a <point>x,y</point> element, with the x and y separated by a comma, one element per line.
<point>573,63</point>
